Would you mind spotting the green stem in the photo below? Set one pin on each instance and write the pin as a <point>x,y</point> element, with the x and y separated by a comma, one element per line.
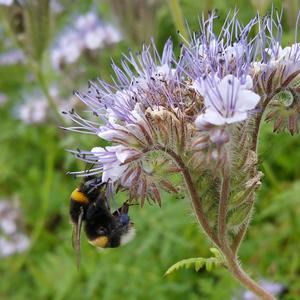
<point>231,258</point>
<point>7,27</point>
<point>195,198</point>
<point>44,86</point>
<point>178,18</point>
<point>237,271</point>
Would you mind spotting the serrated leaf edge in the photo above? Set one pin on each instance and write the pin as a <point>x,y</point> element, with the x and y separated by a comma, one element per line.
<point>199,262</point>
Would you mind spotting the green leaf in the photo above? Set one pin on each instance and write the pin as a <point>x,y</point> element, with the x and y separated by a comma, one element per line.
<point>199,262</point>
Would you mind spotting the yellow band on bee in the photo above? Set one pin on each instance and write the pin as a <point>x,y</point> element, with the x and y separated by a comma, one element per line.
<point>79,197</point>
<point>100,242</point>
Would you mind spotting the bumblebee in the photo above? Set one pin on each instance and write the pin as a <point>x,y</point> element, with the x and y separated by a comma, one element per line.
<point>89,207</point>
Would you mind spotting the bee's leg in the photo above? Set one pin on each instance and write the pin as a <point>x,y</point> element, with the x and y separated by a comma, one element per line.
<point>96,184</point>
<point>76,235</point>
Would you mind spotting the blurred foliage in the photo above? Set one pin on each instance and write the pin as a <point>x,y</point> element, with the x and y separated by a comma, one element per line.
<point>34,165</point>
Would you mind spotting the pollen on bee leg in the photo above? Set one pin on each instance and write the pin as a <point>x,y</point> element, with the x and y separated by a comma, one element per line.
<point>79,197</point>
<point>100,242</point>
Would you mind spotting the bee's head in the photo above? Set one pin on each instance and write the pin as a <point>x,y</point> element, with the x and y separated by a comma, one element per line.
<point>115,229</point>
<point>126,228</point>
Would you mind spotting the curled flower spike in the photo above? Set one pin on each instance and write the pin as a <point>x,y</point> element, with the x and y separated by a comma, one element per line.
<point>284,110</point>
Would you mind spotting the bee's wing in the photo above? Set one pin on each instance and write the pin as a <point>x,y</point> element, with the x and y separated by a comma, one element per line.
<point>76,236</point>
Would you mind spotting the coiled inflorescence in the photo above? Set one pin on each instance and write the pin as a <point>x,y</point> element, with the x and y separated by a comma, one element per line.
<point>201,111</point>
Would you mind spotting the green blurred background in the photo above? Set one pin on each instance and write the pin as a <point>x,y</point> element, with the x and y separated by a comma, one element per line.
<point>34,163</point>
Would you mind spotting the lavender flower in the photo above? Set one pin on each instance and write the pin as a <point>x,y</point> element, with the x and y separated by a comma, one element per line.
<point>226,101</point>
<point>278,54</point>
<point>114,156</point>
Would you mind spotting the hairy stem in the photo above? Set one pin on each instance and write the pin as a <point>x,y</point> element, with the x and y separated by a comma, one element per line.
<point>242,232</point>
<point>43,84</point>
<point>242,277</point>
<point>222,213</point>
<point>197,207</point>
<point>231,258</point>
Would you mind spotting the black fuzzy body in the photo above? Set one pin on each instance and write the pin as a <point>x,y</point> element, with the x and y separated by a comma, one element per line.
<point>96,215</point>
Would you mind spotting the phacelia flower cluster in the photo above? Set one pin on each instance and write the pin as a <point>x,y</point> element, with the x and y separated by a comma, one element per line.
<point>162,114</point>
<point>190,124</point>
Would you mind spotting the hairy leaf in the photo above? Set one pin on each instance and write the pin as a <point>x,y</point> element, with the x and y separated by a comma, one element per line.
<point>199,262</point>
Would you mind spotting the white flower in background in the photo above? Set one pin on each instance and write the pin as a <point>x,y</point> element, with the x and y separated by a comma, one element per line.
<point>67,50</point>
<point>35,108</point>
<point>112,34</point>
<point>12,57</point>
<point>3,99</point>
<point>16,244</point>
<point>12,239</point>
<point>95,34</point>
<point>6,2</point>
<point>56,6</point>
<point>88,27</point>
<point>87,32</point>
<point>34,111</point>
<point>226,101</point>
